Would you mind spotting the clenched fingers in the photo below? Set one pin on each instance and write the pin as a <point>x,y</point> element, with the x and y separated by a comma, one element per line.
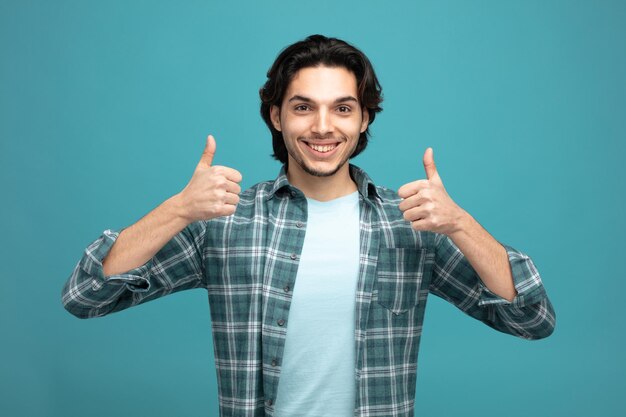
<point>231,198</point>
<point>414,200</point>
<point>228,173</point>
<point>411,188</point>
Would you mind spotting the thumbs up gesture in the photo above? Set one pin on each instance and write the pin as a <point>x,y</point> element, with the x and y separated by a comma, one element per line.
<point>213,190</point>
<point>427,205</point>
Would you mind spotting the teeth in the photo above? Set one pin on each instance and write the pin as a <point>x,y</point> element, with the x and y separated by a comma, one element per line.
<point>325,148</point>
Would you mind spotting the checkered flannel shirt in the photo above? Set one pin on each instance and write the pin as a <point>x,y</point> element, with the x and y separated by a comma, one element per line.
<point>248,261</point>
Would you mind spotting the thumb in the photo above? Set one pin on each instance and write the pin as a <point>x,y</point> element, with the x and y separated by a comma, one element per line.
<point>429,164</point>
<point>209,152</point>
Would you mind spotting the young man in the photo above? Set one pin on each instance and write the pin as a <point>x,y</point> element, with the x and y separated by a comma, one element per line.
<point>317,281</point>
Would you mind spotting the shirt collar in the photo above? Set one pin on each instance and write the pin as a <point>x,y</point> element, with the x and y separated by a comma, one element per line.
<point>365,185</point>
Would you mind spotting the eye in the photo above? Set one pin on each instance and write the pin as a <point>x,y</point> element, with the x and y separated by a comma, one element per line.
<point>344,109</point>
<point>301,107</point>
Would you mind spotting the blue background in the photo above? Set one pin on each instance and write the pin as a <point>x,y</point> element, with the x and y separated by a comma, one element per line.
<point>104,112</point>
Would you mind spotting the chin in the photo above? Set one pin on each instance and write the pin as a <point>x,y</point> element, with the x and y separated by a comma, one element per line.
<point>321,171</point>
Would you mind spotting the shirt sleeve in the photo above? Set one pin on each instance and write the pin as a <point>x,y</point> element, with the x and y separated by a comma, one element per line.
<point>177,266</point>
<point>529,315</point>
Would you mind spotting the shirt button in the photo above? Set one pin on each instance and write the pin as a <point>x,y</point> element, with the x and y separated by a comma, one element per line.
<point>274,362</point>
<point>294,256</point>
<point>281,322</point>
<point>286,288</point>
<point>299,224</point>
<point>270,402</point>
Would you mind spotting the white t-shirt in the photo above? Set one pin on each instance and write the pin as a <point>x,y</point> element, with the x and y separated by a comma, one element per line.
<point>317,375</point>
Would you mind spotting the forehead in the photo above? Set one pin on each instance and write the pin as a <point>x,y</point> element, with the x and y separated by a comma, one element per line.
<point>322,83</point>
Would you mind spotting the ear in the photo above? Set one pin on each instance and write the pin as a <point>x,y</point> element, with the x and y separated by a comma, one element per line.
<point>275,116</point>
<point>365,120</point>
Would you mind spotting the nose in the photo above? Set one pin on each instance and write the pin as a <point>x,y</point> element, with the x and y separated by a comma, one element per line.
<point>323,122</point>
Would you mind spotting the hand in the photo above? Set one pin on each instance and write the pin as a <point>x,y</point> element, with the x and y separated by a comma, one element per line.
<point>427,205</point>
<point>213,191</point>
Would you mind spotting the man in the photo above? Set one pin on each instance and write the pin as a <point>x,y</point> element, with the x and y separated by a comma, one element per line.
<point>317,281</point>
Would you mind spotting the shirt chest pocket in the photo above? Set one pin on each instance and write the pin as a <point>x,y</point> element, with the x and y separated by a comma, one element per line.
<point>400,273</point>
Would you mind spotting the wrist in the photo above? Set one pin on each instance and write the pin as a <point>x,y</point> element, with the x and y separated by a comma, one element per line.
<point>461,225</point>
<point>178,208</point>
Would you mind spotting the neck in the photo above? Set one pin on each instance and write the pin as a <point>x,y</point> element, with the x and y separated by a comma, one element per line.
<point>321,188</point>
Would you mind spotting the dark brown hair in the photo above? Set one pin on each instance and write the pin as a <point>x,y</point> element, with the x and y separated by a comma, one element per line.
<point>314,51</point>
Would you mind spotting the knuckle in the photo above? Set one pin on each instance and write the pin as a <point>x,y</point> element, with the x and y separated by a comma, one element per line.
<point>219,183</point>
<point>218,195</point>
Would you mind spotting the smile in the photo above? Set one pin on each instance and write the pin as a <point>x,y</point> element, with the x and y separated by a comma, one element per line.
<point>325,148</point>
<point>322,148</point>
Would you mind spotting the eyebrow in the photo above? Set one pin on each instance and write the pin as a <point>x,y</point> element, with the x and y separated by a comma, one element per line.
<point>308,100</point>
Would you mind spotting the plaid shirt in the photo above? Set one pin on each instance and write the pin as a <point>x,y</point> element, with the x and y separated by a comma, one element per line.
<point>247,262</point>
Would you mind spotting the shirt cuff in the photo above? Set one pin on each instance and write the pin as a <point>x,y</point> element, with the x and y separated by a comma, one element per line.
<point>136,280</point>
<point>526,280</point>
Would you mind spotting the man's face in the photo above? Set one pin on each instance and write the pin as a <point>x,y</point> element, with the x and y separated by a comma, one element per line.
<point>320,119</point>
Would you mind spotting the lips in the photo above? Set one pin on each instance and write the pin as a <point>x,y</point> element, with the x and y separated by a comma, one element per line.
<point>322,148</point>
